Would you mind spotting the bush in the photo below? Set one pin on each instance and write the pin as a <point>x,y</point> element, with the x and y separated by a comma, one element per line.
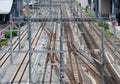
<point>79,4</point>
<point>109,34</point>
<point>28,16</point>
<point>7,35</point>
<point>14,33</point>
<point>86,9</point>
<point>105,25</point>
<point>21,24</point>
<point>3,42</point>
<point>100,24</point>
<point>90,15</point>
<point>14,28</point>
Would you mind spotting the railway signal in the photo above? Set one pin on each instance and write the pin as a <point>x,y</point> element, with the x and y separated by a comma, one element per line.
<point>1,34</point>
<point>86,70</point>
<point>113,24</point>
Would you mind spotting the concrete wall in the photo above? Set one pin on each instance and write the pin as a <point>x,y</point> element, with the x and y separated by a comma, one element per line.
<point>104,7</point>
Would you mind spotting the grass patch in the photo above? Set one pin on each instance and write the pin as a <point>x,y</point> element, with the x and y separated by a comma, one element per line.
<point>100,24</point>
<point>90,15</point>
<point>3,42</point>
<point>28,16</point>
<point>109,34</point>
<point>86,9</point>
<point>22,46</point>
<point>105,25</point>
<point>87,13</point>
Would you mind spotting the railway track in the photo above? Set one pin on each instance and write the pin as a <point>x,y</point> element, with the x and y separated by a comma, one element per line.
<point>15,44</point>
<point>73,57</point>
<point>50,58</point>
<point>108,48</point>
<point>92,44</point>
<point>74,68</point>
<point>17,77</point>
<point>53,58</point>
<point>108,42</point>
<point>5,56</point>
<point>110,75</point>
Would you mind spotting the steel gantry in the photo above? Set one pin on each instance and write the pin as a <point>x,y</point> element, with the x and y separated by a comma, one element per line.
<point>60,20</point>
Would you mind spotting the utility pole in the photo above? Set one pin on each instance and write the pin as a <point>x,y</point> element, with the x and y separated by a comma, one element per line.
<point>71,8</point>
<point>61,47</point>
<point>19,14</point>
<point>11,30</point>
<point>102,55</point>
<point>81,29</point>
<point>50,13</point>
<point>30,53</point>
<point>114,29</point>
<point>33,7</point>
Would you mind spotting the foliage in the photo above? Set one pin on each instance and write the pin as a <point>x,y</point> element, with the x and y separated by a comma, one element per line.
<point>14,33</point>
<point>86,9</point>
<point>79,4</point>
<point>100,23</point>
<point>3,42</point>
<point>21,24</point>
<point>28,16</point>
<point>109,34</point>
<point>22,46</point>
<point>90,15</point>
<point>105,25</point>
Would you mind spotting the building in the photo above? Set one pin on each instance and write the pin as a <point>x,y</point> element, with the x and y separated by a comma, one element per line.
<point>105,8</point>
<point>7,7</point>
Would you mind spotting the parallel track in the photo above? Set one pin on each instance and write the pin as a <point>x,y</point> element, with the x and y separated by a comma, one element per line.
<point>24,64</point>
<point>5,56</point>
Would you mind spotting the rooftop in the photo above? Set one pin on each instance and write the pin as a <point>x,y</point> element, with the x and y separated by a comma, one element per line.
<point>5,6</point>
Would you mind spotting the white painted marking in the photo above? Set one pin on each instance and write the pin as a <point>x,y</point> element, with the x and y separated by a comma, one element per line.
<point>65,59</point>
<point>92,79</point>
<point>107,56</point>
<point>96,50</point>
<point>90,76</point>
<point>82,47</point>
<point>118,66</point>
